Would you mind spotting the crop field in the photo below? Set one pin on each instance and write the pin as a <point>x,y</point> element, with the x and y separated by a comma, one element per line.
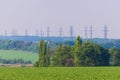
<point>12,54</point>
<point>60,73</point>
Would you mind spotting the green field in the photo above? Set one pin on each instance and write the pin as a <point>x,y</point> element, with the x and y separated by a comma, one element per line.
<point>60,73</point>
<point>12,54</point>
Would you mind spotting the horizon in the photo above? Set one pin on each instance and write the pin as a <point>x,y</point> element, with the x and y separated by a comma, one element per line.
<point>45,36</point>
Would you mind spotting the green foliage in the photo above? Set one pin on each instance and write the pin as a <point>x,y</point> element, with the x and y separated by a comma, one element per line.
<point>88,54</point>
<point>61,56</point>
<point>81,54</point>
<point>115,56</point>
<point>60,73</point>
<point>43,54</point>
<point>78,42</point>
<point>18,45</point>
<point>77,51</point>
<point>94,55</point>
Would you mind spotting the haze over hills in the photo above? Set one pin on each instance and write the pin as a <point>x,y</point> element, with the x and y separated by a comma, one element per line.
<point>53,39</point>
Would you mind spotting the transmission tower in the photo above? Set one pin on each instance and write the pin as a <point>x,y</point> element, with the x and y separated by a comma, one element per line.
<point>48,32</point>
<point>26,32</point>
<point>26,35</point>
<point>61,32</point>
<point>14,33</point>
<point>41,34</point>
<point>105,31</point>
<point>37,33</point>
<point>71,32</point>
<point>86,32</point>
<point>16,37</point>
<point>91,32</point>
<point>6,33</point>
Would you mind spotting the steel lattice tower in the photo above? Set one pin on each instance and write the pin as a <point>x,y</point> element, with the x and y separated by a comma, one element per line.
<point>41,34</point>
<point>37,33</point>
<point>71,32</point>
<point>26,32</point>
<point>26,35</point>
<point>48,32</point>
<point>105,31</point>
<point>6,33</point>
<point>91,32</point>
<point>14,33</point>
<point>60,32</point>
<point>86,32</point>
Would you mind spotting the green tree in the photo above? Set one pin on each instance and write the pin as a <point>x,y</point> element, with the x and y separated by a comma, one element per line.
<point>87,56</point>
<point>43,55</point>
<point>48,56</point>
<point>102,56</point>
<point>77,51</point>
<point>115,56</point>
<point>94,55</point>
<point>105,57</point>
<point>61,56</point>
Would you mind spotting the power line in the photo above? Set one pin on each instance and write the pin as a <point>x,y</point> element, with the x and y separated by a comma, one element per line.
<point>41,34</point>
<point>26,32</point>
<point>26,35</point>
<point>5,33</point>
<point>37,33</point>
<point>14,33</point>
<point>105,31</point>
<point>71,32</point>
<point>60,32</point>
<point>91,32</point>
<point>48,32</point>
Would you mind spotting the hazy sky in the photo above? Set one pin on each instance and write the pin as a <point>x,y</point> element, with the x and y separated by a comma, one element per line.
<point>38,14</point>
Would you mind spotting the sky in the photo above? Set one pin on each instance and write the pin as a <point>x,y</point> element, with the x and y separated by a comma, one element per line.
<point>39,14</point>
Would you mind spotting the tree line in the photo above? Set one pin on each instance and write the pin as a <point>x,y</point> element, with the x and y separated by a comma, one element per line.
<point>80,54</point>
<point>19,45</point>
<point>14,61</point>
<point>33,46</point>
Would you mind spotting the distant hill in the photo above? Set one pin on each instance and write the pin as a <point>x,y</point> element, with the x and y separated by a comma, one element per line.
<point>51,38</point>
<point>36,38</point>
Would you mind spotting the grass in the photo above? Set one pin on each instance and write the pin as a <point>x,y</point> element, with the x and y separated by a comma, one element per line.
<point>61,73</point>
<point>12,54</point>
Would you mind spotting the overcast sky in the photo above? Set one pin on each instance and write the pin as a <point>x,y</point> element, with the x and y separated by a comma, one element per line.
<point>38,14</point>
